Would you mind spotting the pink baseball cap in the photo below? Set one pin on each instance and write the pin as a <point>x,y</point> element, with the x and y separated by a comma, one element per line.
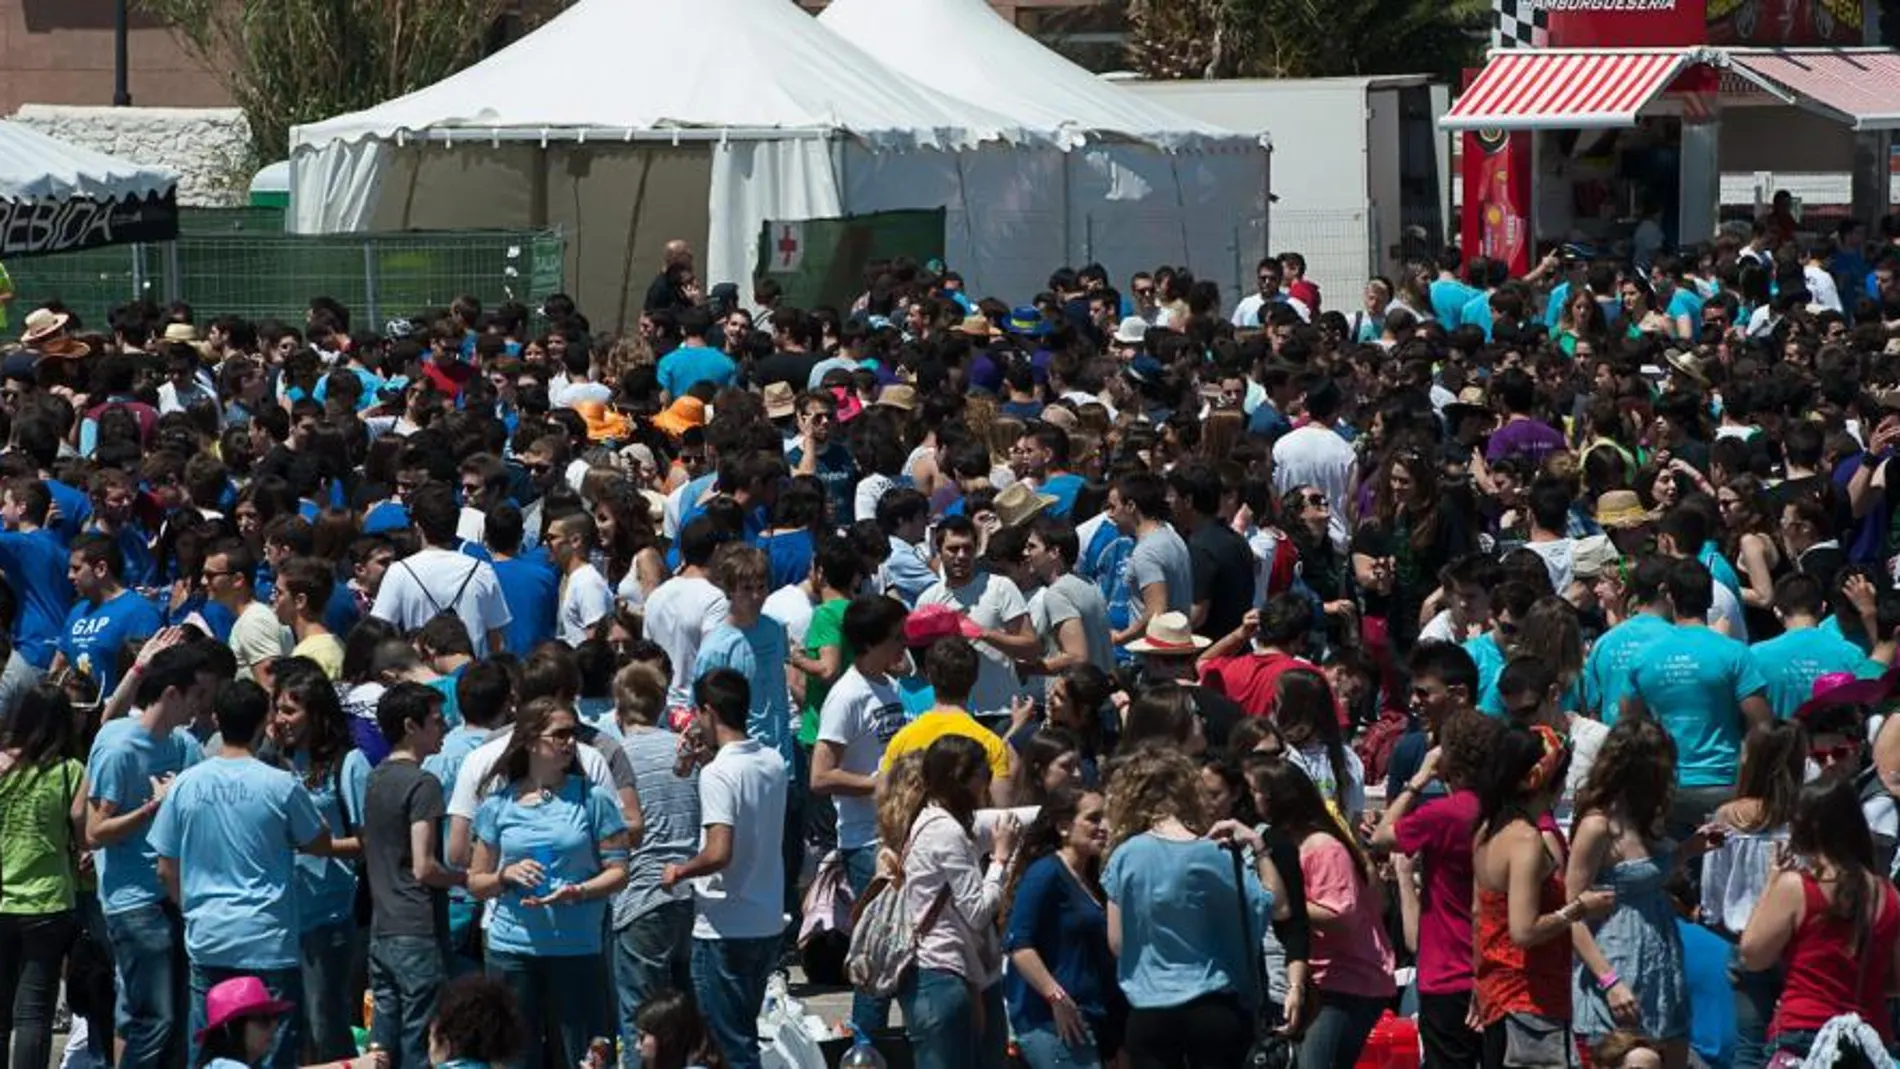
<point>933,623</point>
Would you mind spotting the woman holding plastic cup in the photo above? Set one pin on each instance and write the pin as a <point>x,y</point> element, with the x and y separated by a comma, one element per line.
<point>550,849</point>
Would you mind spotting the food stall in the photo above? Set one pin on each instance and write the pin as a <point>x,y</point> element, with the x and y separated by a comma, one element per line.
<point>1610,115</point>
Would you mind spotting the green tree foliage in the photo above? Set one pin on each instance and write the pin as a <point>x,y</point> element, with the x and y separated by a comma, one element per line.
<point>1304,38</point>
<point>287,62</point>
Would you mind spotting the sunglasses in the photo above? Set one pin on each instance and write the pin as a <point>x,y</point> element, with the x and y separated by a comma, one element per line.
<point>1835,754</point>
<point>538,469</point>
<point>561,734</point>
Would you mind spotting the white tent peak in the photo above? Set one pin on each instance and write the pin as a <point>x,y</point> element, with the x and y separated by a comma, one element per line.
<point>969,50</point>
<point>624,68</point>
<point>37,166</point>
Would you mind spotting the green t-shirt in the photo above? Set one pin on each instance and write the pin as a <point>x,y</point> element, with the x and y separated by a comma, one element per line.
<point>826,629</point>
<point>36,868</point>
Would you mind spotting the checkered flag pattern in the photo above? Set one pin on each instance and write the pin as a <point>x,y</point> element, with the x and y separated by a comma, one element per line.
<point>1520,24</point>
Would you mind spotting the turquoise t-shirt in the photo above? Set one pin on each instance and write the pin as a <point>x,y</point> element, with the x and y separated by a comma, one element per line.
<point>326,886</point>
<point>1793,660</point>
<point>120,768</point>
<point>1693,680</point>
<point>1490,660</point>
<point>94,634</point>
<point>1686,302</point>
<point>563,833</point>
<point>1720,569</point>
<point>234,826</point>
<point>1606,672</point>
<point>758,654</point>
<point>1184,941</point>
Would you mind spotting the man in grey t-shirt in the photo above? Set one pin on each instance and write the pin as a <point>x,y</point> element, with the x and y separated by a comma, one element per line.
<point>1160,569</point>
<point>653,927</point>
<point>403,805</point>
<point>1069,614</point>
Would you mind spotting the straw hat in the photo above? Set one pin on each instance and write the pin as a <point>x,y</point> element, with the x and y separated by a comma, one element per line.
<point>1017,504</point>
<point>1169,633</point>
<point>1687,364</point>
<point>780,400</point>
<point>1622,508</point>
<point>43,323</point>
<point>1471,403</point>
<point>977,326</point>
<point>898,396</point>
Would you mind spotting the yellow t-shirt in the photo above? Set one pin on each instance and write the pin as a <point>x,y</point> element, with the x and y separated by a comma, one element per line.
<point>324,649</point>
<point>916,737</point>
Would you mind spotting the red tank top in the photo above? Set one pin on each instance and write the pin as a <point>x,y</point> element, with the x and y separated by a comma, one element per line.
<point>1826,977</point>
<point>1515,979</point>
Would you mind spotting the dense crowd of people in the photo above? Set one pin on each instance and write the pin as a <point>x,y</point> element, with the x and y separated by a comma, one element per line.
<point>1157,682</point>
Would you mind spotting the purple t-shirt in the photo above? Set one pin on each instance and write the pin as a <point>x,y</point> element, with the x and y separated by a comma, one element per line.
<point>1530,439</point>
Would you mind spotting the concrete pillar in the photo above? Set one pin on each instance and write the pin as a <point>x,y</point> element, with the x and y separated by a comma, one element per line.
<point>1872,189</point>
<point>1701,186</point>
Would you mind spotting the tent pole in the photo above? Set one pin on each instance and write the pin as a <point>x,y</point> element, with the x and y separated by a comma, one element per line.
<point>633,232</point>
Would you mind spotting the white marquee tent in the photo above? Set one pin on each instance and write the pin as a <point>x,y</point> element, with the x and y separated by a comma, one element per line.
<point>1139,185</point>
<point>632,122</point>
<point>56,196</point>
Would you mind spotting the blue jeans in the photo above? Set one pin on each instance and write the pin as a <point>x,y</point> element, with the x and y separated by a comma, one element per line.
<point>860,865</point>
<point>406,974</point>
<point>1755,996</point>
<point>32,949</point>
<point>729,978</point>
<point>1338,1033</point>
<point>940,1019</point>
<point>652,954</point>
<point>285,984</point>
<point>148,952</point>
<point>564,996</point>
<point>465,937</point>
<point>327,1014</point>
<point>1043,1048</point>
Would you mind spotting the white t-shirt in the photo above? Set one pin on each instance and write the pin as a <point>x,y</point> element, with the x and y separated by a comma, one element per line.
<point>862,715</point>
<point>681,612</point>
<point>743,788</point>
<point>1317,456</point>
<point>585,601</point>
<point>423,584</point>
<point>1729,607</point>
<point>472,526</point>
<point>257,637</point>
<point>871,489</point>
<point>1821,288</point>
<point>791,605</point>
<point>994,603</point>
<point>480,761</point>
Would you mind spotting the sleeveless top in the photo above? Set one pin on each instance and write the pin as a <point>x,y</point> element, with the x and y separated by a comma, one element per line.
<point>1827,976</point>
<point>1515,979</point>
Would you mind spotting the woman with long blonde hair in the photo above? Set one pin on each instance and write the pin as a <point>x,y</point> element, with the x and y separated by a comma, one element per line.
<point>1185,955</point>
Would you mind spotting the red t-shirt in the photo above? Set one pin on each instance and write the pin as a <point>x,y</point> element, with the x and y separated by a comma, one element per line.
<point>1439,834</point>
<point>1250,678</point>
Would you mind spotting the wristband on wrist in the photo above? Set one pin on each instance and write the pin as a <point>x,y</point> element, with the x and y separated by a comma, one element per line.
<point>1608,980</point>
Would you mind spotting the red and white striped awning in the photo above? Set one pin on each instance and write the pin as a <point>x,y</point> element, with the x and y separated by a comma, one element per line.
<point>1858,86</point>
<point>1538,89</point>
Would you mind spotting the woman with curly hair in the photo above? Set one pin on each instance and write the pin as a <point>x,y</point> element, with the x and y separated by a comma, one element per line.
<point>476,1026</point>
<point>1183,959</point>
<point>312,734</point>
<point>1064,1007</point>
<point>1629,970</point>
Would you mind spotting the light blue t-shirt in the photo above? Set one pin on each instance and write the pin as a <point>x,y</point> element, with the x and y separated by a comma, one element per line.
<point>1477,313</point>
<point>687,366</point>
<point>566,830</point>
<point>1693,681</point>
<point>1554,305</point>
<point>445,764</point>
<point>1792,661</point>
<point>1686,302</point>
<point>120,768</point>
<point>1720,569</point>
<point>234,826</point>
<point>326,886</point>
<point>1606,673</point>
<point>758,654</point>
<point>94,634</point>
<point>1449,298</point>
<point>1185,940</point>
<point>34,563</point>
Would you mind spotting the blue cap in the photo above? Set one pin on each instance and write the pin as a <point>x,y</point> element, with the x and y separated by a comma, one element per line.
<point>20,366</point>
<point>1145,368</point>
<point>1027,320</point>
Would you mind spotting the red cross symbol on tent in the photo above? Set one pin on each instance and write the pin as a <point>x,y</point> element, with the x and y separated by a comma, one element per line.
<point>790,246</point>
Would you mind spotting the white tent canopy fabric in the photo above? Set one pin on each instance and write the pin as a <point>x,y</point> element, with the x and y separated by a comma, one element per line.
<point>758,112</point>
<point>762,68</point>
<point>970,50</point>
<point>34,166</point>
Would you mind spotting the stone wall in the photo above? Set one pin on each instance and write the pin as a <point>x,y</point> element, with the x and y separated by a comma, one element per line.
<point>208,147</point>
